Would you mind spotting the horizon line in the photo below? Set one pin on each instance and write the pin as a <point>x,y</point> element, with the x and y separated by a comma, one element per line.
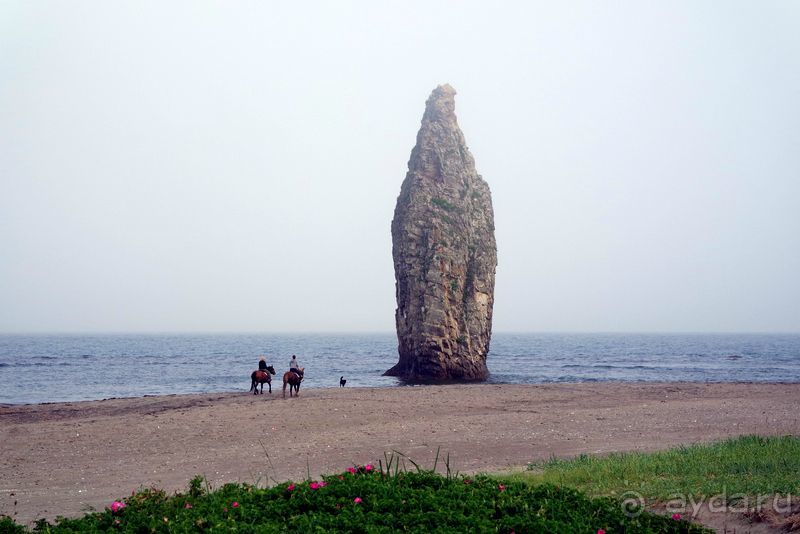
<point>379,332</point>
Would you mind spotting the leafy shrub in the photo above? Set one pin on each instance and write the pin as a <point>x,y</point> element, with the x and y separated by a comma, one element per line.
<point>367,499</point>
<point>8,526</point>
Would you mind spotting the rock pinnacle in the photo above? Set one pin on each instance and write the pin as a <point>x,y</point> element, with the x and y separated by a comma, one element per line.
<point>444,254</point>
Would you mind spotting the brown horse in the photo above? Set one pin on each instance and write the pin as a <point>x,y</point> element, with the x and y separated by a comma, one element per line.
<point>259,377</point>
<point>293,379</point>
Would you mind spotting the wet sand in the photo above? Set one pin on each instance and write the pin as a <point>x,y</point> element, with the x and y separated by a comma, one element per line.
<point>66,458</point>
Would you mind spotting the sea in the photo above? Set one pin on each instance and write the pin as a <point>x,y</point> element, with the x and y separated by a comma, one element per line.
<point>65,368</point>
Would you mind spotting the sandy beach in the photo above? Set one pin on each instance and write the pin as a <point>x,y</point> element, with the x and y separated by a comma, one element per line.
<point>66,458</point>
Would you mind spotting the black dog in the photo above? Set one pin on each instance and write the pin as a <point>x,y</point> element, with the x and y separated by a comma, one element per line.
<point>342,382</point>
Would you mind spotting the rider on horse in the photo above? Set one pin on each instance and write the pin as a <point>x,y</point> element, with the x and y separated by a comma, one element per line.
<point>294,366</point>
<point>261,375</point>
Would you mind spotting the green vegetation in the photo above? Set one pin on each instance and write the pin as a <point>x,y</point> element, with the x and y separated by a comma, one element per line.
<point>453,285</point>
<point>367,499</point>
<point>386,498</point>
<point>442,203</point>
<point>747,465</point>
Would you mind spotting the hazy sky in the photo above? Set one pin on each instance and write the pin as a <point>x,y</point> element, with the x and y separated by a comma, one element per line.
<point>234,166</point>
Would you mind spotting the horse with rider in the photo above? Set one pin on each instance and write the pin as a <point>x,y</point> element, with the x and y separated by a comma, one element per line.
<point>261,376</point>
<point>293,377</point>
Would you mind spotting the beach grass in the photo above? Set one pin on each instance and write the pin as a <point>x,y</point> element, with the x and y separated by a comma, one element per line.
<point>746,465</point>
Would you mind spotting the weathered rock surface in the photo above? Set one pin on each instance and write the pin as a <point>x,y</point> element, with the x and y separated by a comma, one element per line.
<point>444,254</point>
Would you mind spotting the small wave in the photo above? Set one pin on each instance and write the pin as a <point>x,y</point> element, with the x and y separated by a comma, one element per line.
<point>594,367</point>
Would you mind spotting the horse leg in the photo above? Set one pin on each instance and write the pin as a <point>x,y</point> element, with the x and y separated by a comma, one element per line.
<point>253,387</point>
<point>284,390</point>
<point>270,387</point>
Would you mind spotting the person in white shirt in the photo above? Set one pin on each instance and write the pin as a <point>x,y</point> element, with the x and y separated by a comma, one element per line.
<point>294,366</point>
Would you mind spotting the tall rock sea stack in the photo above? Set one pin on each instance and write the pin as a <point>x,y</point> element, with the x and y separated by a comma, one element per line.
<point>444,254</point>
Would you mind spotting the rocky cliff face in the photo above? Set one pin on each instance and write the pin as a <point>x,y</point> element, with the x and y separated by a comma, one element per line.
<point>444,254</point>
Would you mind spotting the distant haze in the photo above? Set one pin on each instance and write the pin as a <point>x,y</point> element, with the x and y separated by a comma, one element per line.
<point>208,167</point>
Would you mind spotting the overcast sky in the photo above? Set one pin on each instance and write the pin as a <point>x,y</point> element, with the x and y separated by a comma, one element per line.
<point>234,166</point>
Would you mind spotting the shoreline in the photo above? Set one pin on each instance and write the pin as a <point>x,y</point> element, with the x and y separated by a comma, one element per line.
<point>61,458</point>
<point>277,389</point>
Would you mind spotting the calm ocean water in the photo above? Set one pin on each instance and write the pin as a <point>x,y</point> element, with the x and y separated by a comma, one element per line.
<point>36,369</point>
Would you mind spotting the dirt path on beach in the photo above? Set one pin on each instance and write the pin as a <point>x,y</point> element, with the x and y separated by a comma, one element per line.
<point>62,459</point>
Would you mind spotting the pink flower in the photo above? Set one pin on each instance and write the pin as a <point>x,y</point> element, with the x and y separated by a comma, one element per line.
<point>351,470</point>
<point>601,531</point>
<point>235,504</point>
<point>368,467</point>
<point>116,506</point>
<point>290,487</point>
<point>501,487</point>
<point>187,505</point>
<point>317,485</point>
<point>467,481</point>
<point>676,517</point>
<point>357,500</point>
